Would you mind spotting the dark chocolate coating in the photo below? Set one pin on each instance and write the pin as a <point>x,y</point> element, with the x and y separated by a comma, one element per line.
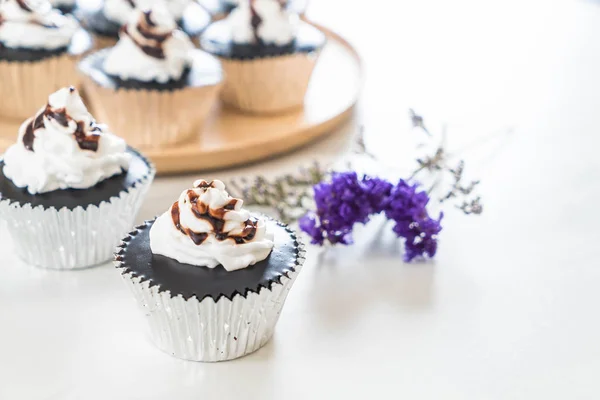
<point>94,20</point>
<point>65,9</point>
<point>81,42</point>
<point>71,198</point>
<point>217,41</point>
<point>195,20</point>
<point>205,71</point>
<point>186,280</point>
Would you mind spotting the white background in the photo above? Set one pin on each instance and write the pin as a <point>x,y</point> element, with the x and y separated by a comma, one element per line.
<point>509,309</point>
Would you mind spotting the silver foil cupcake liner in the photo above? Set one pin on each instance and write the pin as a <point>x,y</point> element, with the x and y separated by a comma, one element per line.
<point>210,330</point>
<point>69,239</point>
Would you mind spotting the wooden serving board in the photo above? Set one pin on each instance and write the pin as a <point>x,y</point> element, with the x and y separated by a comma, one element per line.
<point>232,138</point>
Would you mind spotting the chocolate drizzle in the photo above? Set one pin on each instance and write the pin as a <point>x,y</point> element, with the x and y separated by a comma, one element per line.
<point>197,238</point>
<point>29,136</point>
<point>255,21</point>
<point>153,42</point>
<point>215,217</point>
<point>85,141</point>
<point>148,19</point>
<point>24,6</point>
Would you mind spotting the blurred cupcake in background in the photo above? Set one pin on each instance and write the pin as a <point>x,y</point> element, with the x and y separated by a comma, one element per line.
<point>64,6</point>
<point>105,18</point>
<point>69,188</point>
<point>268,55</point>
<point>153,86</point>
<point>210,277</point>
<point>39,52</point>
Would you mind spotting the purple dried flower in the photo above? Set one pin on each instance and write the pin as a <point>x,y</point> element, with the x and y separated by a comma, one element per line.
<point>378,192</point>
<point>348,200</point>
<point>407,208</point>
<point>309,224</point>
<point>340,204</point>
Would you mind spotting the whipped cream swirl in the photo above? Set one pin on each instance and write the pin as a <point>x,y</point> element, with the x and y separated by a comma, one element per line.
<point>120,11</point>
<point>208,227</point>
<point>34,24</point>
<point>267,22</point>
<point>63,147</point>
<point>150,48</point>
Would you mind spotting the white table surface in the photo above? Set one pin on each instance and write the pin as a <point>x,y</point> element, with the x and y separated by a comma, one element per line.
<point>509,309</point>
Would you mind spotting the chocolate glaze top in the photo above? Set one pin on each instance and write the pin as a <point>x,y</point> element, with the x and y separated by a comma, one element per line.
<point>135,257</point>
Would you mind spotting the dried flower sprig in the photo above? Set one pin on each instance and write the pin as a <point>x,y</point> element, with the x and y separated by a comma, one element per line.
<point>289,195</point>
<point>439,162</point>
<point>360,145</point>
<point>471,207</point>
<point>417,121</point>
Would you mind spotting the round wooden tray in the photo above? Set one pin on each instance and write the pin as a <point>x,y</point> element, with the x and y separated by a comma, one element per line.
<point>231,138</point>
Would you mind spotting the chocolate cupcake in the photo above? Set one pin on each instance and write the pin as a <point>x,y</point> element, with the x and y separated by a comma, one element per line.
<point>268,56</point>
<point>105,19</point>
<point>39,51</point>
<point>69,189</point>
<point>210,278</point>
<point>153,86</point>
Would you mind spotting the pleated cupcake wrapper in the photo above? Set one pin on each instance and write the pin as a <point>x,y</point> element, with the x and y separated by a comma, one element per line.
<point>210,330</point>
<point>152,118</point>
<point>267,85</point>
<point>25,85</point>
<point>69,239</point>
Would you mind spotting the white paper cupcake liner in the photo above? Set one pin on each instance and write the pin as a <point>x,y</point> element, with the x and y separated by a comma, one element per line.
<point>210,330</point>
<point>69,239</point>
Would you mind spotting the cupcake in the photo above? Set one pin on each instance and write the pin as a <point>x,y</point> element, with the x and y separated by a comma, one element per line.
<point>210,278</point>
<point>69,188</point>
<point>104,19</point>
<point>64,6</point>
<point>39,51</point>
<point>268,56</point>
<point>154,87</point>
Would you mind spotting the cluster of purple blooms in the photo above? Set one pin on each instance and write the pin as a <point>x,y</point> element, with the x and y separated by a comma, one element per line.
<point>348,200</point>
